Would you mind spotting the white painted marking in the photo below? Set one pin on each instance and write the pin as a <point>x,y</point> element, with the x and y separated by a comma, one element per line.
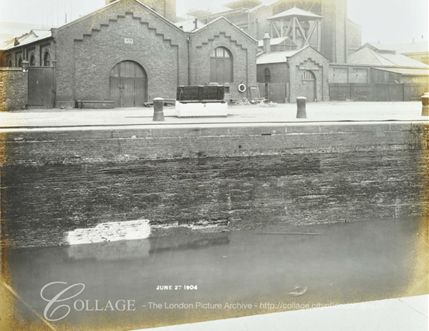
<point>112,231</point>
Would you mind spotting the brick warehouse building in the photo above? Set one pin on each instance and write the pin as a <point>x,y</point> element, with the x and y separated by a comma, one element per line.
<point>127,53</point>
<point>339,36</point>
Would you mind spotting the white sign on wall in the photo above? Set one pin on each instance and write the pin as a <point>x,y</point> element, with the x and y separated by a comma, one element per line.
<point>129,41</point>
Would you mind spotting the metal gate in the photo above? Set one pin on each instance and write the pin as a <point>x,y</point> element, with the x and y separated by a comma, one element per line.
<point>41,87</point>
<point>128,85</point>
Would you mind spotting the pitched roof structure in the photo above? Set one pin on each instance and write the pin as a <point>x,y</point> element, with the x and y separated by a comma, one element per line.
<point>295,12</point>
<point>28,38</point>
<point>189,25</point>
<point>406,71</point>
<point>368,56</point>
<point>275,57</point>
<point>419,47</point>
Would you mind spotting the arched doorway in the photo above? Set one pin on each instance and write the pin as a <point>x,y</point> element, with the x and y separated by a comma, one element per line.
<point>308,86</point>
<point>221,66</point>
<point>128,84</point>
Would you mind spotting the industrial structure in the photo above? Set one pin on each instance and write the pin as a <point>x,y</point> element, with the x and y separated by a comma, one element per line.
<point>130,51</point>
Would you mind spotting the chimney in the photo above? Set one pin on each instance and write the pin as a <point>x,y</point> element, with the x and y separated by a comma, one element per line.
<point>196,23</point>
<point>267,43</point>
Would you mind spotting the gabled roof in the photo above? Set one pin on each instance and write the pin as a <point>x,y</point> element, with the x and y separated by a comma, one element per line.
<point>368,56</point>
<point>282,57</point>
<point>229,22</point>
<point>189,25</point>
<point>113,4</point>
<point>406,71</point>
<point>28,38</point>
<point>419,47</point>
<point>275,57</point>
<point>295,12</point>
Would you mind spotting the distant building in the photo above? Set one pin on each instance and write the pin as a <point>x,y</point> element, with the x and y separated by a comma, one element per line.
<point>385,56</point>
<point>418,51</point>
<point>334,35</point>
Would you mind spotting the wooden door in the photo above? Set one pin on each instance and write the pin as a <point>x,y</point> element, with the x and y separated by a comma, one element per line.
<point>128,85</point>
<point>308,86</point>
<point>41,87</point>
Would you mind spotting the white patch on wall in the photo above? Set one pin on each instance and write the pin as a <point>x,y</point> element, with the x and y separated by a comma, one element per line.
<point>112,231</point>
<point>129,41</point>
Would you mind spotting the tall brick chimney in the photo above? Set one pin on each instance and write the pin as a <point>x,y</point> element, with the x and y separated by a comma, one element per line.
<point>267,43</point>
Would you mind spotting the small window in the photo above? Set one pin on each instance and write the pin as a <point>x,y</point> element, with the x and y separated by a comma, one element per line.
<point>46,60</point>
<point>20,62</point>
<point>32,60</point>
<point>10,63</point>
<point>220,52</point>
<point>267,75</point>
<point>307,75</point>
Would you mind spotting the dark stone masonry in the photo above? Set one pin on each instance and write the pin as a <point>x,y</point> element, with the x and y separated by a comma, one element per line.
<point>13,89</point>
<point>231,177</point>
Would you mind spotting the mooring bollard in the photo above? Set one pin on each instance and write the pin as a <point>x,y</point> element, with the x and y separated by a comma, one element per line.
<point>300,102</point>
<point>158,109</point>
<point>425,104</point>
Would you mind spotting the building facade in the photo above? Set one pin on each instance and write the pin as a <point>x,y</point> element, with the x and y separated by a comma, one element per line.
<point>126,54</point>
<point>338,35</point>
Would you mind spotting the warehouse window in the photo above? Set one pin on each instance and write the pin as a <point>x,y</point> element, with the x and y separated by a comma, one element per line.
<point>10,63</point>
<point>32,60</point>
<point>46,60</point>
<point>221,66</point>
<point>307,75</point>
<point>20,62</point>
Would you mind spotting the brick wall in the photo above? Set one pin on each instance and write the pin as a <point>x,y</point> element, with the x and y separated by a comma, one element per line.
<point>94,59</point>
<point>279,72</point>
<point>13,89</point>
<point>241,177</point>
<point>334,29</point>
<point>223,34</point>
<point>349,74</point>
<point>353,37</point>
<point>166,8</point>
<point>259,24</point>
<point>121,20</point>
<point>307,60</point>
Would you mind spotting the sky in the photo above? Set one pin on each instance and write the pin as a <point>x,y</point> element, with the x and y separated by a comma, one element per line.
<point>387,21</point>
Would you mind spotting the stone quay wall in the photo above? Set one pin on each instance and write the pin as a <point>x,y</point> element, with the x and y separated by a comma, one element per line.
<point>218,178</point>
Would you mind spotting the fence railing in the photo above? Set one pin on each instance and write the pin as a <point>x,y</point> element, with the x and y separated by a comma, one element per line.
<point>376,92</point>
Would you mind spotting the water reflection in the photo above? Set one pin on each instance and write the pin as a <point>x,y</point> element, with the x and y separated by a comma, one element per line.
<point>344,263</point>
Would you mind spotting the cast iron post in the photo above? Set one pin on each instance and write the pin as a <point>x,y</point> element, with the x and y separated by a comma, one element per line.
<point>158,107</point>
<point>300,102</point>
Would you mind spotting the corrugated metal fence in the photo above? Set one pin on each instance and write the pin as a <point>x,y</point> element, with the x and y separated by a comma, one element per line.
<point>376,92</point>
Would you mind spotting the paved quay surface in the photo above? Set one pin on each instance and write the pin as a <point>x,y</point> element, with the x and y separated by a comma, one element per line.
<point>252,114</point>
<point>401,314</point>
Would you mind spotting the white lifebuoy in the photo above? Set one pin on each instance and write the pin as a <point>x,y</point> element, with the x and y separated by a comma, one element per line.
<point>242,88</point>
